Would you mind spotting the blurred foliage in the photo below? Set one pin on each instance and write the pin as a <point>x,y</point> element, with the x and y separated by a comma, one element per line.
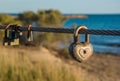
<point>51,39</point>
<point>45,18</point>
<point>50,18</point>
<point>27,17</point>
<point>7,19</point>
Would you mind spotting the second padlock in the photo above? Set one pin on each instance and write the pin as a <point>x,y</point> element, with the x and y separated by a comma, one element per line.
<point>81,51</point>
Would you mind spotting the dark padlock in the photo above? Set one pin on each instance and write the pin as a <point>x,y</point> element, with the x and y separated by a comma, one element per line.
<point>81,51</point>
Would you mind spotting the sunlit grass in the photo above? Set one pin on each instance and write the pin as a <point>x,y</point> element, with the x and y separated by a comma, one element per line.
<point>22,65</point>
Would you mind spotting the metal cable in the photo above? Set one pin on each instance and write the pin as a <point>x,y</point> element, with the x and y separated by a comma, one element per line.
<point>68,30</point>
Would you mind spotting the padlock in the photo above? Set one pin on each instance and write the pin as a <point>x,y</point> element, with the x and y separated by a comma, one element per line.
<point>81,51</point>
<point>29,34</point>
<point>11,38</point>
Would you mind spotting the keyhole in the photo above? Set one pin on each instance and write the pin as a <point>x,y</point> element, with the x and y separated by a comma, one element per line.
<point>84,51</point>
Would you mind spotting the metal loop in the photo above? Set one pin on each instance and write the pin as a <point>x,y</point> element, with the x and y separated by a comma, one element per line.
<point>6,28</point>
<point>76,32</point>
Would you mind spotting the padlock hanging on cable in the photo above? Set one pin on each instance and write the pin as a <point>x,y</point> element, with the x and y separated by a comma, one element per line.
<point>11,37</point>
<point>29,34</point>
<point>81,51</point>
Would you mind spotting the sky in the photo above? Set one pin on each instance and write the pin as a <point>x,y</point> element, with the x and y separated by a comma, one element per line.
<point>65,6</point>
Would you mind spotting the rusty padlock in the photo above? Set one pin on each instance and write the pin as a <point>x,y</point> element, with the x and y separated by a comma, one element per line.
<point>81,51</point>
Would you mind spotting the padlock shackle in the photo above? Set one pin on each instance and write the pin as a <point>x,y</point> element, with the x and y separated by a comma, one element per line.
<point>7,27</point>
<point>76,33</point>
<point>13,27</point>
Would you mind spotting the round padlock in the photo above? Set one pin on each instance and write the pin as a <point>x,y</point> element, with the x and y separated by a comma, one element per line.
<point>81,51</point>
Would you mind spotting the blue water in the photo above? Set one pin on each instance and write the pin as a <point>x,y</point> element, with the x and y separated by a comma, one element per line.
<point>109,44</point>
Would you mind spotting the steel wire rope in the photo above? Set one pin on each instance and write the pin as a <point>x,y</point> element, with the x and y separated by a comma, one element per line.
<point>68,30</point>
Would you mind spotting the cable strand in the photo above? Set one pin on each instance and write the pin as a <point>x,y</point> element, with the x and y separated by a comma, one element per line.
<point>68,30</point>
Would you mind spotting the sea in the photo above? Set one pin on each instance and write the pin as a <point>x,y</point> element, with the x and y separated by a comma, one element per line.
<point>101,43</point>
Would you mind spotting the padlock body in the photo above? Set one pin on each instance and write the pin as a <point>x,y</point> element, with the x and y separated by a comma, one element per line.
<point>82,51</point>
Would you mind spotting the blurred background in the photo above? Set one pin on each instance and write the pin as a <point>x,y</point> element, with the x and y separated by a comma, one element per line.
<point>103,14</point>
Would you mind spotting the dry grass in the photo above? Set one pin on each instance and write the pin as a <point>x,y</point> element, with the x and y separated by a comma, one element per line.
<point>29,64</point>
<point>101,67</point>
<point>41,64</point>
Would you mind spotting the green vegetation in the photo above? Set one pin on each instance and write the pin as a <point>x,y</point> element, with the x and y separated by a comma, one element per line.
<point>51,18</point>
<point>7,19</point>
<point>28,17</point>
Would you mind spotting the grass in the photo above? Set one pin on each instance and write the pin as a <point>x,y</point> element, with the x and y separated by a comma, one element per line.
<point>41,64</point>
<point>29,64</point>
